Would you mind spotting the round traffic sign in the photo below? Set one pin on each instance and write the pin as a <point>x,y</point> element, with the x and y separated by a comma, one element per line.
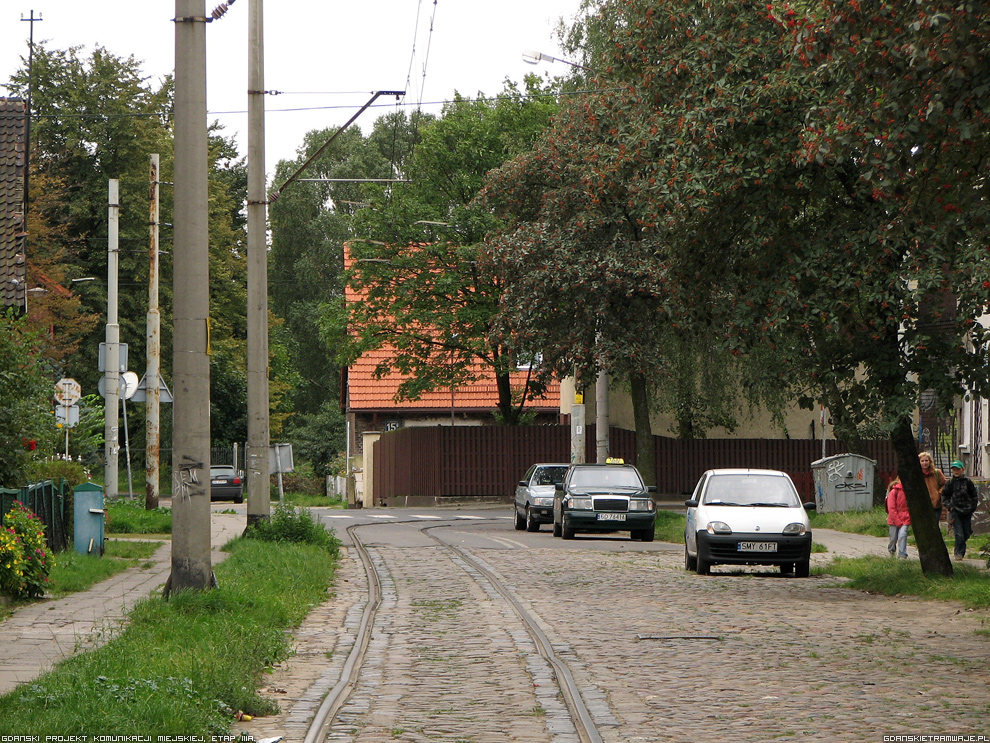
<point>127,385</point>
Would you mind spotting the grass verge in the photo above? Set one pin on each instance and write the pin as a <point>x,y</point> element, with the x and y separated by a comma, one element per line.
<point>186,665</point>
<point>969,586</point>
<point>75,572</point>
<point>304,500</point>
<point>669,526</point>
<point>125,516</point>
<point>872,523</point>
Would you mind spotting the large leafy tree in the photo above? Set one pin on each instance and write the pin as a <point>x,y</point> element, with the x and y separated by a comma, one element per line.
<point>311,219</point>
<point>819,179</point>
<point>902,129</point>
<point>94,118</point>
<point>97,117</point>
<point>431,292</point>
<point>588,276</point>
<point>26,425</point>
<point>581,283</point>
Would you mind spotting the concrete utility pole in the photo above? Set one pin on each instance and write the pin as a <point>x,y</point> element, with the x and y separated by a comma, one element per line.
<point>111,371</point>
<point>258,472</point>
<point>154,343</point>
<point>191,568</point>
<point>601,417</point>
<point>577,429</point>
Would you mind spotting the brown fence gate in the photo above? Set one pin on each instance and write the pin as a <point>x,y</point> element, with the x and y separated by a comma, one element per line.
<point>430,465</point>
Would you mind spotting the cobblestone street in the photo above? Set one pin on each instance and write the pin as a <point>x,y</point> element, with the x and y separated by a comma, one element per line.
<point>794,659</point>
<point>659,654</point>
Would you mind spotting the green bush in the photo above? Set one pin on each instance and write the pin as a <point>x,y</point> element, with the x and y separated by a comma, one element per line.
<point>73,473</point>
<point>288,524</point>
<point>300,482</point>
<point>25,561</point>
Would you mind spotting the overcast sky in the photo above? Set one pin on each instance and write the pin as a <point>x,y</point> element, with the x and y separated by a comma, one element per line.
<point>326,57</point>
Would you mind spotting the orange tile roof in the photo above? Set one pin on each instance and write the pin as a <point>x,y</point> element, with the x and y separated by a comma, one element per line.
<point>366,393</point>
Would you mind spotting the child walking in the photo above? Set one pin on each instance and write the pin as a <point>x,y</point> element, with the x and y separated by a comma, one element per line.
<point>898,519</point>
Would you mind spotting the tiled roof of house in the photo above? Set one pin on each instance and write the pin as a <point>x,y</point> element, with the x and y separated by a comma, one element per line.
<point>366,393</point>
<point>13,123</point>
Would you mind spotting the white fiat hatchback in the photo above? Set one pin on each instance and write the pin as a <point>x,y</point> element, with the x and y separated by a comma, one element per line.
<point>747,517</point>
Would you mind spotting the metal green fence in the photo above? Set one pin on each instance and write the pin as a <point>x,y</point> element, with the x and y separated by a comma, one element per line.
<point>50,501</point>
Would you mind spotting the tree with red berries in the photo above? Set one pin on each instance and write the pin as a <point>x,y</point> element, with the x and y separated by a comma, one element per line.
<point>810,184</point>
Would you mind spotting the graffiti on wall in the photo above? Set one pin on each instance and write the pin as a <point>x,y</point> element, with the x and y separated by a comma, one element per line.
<point>936,433</point>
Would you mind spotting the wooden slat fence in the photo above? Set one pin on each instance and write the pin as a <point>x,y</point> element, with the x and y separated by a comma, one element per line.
<point>464,461</point>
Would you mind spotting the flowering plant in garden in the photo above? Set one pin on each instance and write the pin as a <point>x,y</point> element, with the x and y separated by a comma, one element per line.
<point>25,560</point>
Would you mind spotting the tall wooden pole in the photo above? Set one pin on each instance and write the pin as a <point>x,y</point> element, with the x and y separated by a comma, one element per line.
<point>154,346</point>
<point>27,142</point>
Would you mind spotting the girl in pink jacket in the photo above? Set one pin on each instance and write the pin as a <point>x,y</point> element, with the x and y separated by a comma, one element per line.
<point>898,519</point>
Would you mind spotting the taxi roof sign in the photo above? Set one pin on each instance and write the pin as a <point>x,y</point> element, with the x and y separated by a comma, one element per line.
<point>615,460</point>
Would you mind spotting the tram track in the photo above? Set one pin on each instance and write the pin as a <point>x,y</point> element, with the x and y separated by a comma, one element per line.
<point>578,711</point>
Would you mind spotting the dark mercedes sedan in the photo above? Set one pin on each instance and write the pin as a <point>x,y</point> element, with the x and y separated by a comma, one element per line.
<point>604,498</point>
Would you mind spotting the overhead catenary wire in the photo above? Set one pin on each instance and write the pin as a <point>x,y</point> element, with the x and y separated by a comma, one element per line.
<point>429,44</point>
<point>479,99</point>
<point>278,191</point>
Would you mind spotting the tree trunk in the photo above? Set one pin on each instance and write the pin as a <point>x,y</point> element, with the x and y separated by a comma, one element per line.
<point>646,457</point>
<point>510,416</point>
<point>843,426</point>
<point>685,417</point>
<point>931,547</point>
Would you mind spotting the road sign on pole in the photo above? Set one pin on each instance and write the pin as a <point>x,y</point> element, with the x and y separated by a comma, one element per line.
<point>67,391</point>
<point>141,393</point>
<point>67,415</point>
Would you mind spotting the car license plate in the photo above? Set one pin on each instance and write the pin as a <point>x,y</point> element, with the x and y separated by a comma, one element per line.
<point>218,482</point>
<point>611,517</point>
<point>757,547</point>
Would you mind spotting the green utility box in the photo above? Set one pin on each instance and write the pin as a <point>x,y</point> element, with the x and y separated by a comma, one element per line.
<point>89,519</point>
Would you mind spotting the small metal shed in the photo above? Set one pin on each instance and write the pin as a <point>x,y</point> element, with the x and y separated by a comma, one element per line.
<point>844,482</point>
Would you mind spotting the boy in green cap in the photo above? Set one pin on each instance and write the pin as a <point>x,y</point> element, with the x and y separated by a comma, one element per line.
<point>960,498</point>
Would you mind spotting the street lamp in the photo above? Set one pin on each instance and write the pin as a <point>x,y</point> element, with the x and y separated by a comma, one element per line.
<point>24,289</point>
<point>531,57</point>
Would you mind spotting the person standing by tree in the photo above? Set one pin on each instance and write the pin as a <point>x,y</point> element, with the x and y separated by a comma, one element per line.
<point>960,498</point>
<point>898,519</point>
<point>935,481</point>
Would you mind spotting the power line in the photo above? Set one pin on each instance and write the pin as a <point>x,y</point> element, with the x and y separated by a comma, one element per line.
<point>429,44</point>
<point>480,99</point>
<point>412,52</point>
